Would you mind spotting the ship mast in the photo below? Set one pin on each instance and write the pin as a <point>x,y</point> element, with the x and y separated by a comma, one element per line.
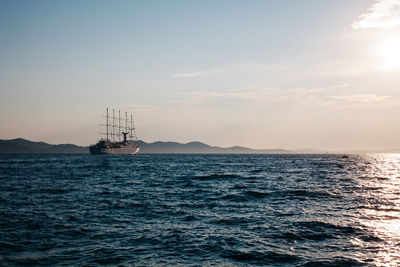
<point>107,123</point>
<point>119,125</point>
<point>131,130</point>
<point>126,121</point>
<point>112,127</point>
<point>115,130</point>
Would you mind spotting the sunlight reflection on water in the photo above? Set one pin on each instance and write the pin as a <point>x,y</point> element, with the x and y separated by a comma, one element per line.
<point>382,215</point>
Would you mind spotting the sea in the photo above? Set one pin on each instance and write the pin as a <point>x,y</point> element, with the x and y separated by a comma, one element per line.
<point>199,210</point>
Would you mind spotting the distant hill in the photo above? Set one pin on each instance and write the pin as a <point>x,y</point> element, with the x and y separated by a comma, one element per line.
<point>20,145</point>
<point>198,147</point>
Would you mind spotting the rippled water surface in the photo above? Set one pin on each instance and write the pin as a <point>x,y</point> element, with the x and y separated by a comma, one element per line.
<point>282,210</point>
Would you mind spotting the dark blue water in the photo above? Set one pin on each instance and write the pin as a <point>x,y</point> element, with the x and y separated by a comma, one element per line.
<point>237,210</point>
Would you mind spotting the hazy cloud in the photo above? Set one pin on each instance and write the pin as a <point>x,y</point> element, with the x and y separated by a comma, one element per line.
<point>254,95</point>
<point>318,89</point>
<point>251,94</point>
<point>241,67</point>
<point>382,14</point>
<point>191,74</point>
<point>205,72</point>
<point>362,98</point>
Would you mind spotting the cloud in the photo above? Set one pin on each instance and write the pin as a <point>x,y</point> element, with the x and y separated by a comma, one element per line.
<point>241,67</point>
<point>259,98</point>
<point>309,91</point>
<point>203,73</point>
<point>361,98</point>
<point>258,95</point>
<point>252,94</point>
<point>190,74</point>
<point>382,14</point>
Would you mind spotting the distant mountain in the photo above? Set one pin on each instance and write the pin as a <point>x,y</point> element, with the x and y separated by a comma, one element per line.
<point>198,147</point>
<point>20,145</point>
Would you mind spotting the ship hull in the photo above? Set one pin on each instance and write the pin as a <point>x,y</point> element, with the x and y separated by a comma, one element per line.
<point>114,151</point>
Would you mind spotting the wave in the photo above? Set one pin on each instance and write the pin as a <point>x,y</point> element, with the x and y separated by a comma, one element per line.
<point>233,221</point>
<point>256,257</point>
<point>218,176</point>
<point>339,261</point>
<point>320,231</point>
<point>234,197</point>
<point>283,194</point>
<point>291,194</point>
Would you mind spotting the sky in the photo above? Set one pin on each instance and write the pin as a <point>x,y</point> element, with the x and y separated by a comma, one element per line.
<point>263,74</point>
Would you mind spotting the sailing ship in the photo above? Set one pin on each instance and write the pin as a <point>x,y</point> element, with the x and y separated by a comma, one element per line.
<point>120,139</point>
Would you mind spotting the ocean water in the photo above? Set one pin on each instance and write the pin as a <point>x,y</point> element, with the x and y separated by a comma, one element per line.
<point>221,210</point>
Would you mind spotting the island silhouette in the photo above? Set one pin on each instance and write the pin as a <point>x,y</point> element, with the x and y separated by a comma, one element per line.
<point>20,145</point>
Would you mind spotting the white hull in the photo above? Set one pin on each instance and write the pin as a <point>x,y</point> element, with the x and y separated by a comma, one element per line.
<point>129,150</point>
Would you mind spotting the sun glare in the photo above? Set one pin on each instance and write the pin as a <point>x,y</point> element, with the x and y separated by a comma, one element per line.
<point>391,53</point>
